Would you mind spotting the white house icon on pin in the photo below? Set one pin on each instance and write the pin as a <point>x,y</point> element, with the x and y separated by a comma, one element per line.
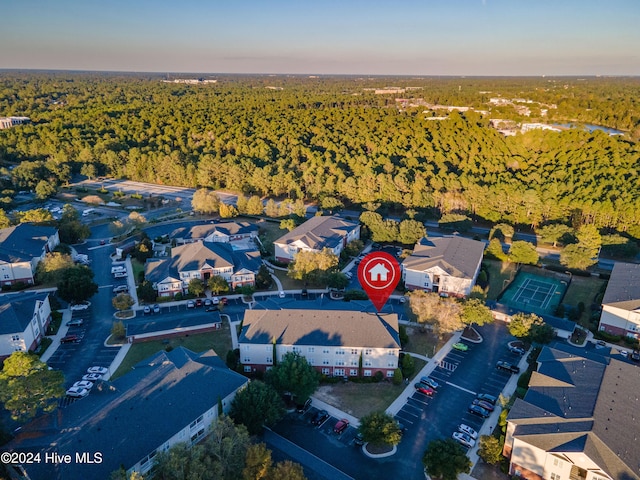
<point>378,273</point>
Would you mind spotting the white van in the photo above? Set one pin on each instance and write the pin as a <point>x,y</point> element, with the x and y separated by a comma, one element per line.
<point>122,274</point>
<point>88,211</point>
<point>118,269</point>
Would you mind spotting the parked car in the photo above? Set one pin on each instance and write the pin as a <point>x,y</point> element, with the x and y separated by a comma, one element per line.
<point>281,294</point>
<point>77,392</point>
<point>91,377</point>
<point>464,439</point>
<point>507,367</point>
<point>635,356</point>
<point>146,309</point>
<point>120,274</point>
<point>430,382</point>
<point>84,384</point>
<point>215,300</point>
<point>99,370</point>
<point>75,323</point>
<point>156,308</point>
<point>71,339</point>
<point>121,289</point>
<point>460,346</point>
<point>320,417</point>
<point>485,397</point>
<point>422,388</point>
<point>191,304</point>
<point>468,430</point>
<point>516,350</point>
<point>211,308</point>
<point>341,426</point>
<point>207,302</point>
<point>483,404</point>
<point>304,293</point>
<point>358,440</point>
<point>303,407</point>
<point>224,300</point>
<point>479,411</point>
<point>80,306</point>
<point>198,302</point>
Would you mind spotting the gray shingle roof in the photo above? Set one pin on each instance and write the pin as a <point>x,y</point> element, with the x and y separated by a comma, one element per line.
<point>194,256</point>
<point>23,242</point>
<point>320,327</point>
<point>149,405</point>
<point>319,232</point>
<point>575,403</point>
<point>623,289</point>
<point>16,311</point>
<point>458,256</point>
<point>151,324</point>
<point>197,232</point>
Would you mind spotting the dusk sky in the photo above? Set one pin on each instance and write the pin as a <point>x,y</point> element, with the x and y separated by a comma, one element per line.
<point>414,37</point>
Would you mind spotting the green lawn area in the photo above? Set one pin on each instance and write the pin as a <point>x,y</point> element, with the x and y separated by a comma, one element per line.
<point>498,273</point>
<point>137,268</point>
<point>585,290</point>
<point>359,399</point>
<point>424,343</point>
<point>219,341</point>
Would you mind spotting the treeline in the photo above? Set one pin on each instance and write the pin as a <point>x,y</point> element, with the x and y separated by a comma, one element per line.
<point>320,138</point>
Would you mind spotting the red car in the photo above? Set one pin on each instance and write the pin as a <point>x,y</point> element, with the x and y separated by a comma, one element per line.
<point>71,339</point>
<point>223,300</point>
<point>341,426</point>
<point>422,388</point>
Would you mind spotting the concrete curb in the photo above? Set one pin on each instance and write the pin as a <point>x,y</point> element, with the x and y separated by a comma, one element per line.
<point>393,451</point>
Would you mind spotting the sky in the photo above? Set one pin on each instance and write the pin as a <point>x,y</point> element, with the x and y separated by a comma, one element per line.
<point>361,37</point>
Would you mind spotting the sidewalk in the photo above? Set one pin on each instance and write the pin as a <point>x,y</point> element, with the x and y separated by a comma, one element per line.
<point>124,349</point>
<point>335,412</point>
<point>62,331</point>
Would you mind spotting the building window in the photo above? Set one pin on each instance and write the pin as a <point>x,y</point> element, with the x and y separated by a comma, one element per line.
<point>391,364</point>
<point>296,349</point>
<point>354,351</point>
<point>339,352</point>
<point>367,351</point>
<point>247,368</point>
<point>353,363</point>
<point>246,360</point>
<point>389,373</point>
<point>311,349</point>
<point>196,421</point>
<point>367,373</point>
<point>325,350</point>
<point>555,476</point>
<point>367,363</point>
<point>338,372</point>
<point>326,371</point>
<point>391,353</point>
<point>353,372</point>
<point>339,362</point>
<point>325,361</point>
<point>268,348</point>
<point>557,462</point>
<point>269,360</point>
<point>15,338</point>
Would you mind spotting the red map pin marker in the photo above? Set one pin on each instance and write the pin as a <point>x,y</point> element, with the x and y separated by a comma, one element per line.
<point>379,273</point>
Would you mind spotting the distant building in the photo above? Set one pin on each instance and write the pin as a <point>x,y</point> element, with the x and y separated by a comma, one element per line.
<point>527,127</point>
<point>447,265</point>
<point>226,232</point>
<point>621,301</point>
<point>169,398</point>
<point>22,247</point>
<point>24,318</point>
<point>9,122</point>
<point>336,343</point>
<point>578,420</point>
<point>316,234</point>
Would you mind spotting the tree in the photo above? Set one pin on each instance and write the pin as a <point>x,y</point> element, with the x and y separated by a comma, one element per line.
<point>89,170</point>
<point>445,459</point>
<point>554,233</point>
<point>521,323</point>
<point>205,201</point>
<point>227,211</point>
<point>76,284</point>
<point>354,247</point>
<point>50,269</point>
<point>501,231</point>
<point>44,189</point>
<point>474,311</point>
<point>4,220</point>
<point>195,287</point>
<point>118,329</point>
<point>122,301</point>
<point>218,284</point>
<point>380,428</point>
<point>27,386</point>
<point>37,215</point>
<point>523,252</point>
<point>408,365</point>
<point>263,278</point>
<point>257,462</point>
<point>256,405</point>
<point>490,449</point>
<point>73,231</point>
<point>287,224</point>
<point>576,256</point>
<point>287,470</point>
<point>254,206</point>
<point>226,446</point>
<point>442,313</point>
<point>180,462</point>
<point>541,332</point>
<point>271,208</point>
<point>589,237</point>
<point>331,204</point>
<point>494,250</point>
<point>410,231</point>
<point>312,266</point>
<point>146,292</point>
<point>136,219</point>
<point>294,374</point>
<point>337,280</point>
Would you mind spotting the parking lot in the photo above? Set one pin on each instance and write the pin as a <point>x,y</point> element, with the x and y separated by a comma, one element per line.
<point>461,376</point>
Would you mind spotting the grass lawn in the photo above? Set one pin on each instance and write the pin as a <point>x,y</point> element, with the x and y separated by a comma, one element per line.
<point>423,342</point>
<point>359,399</point>
<point>288,283</point>
<point>498,273</point>
<point>137,268</point>
<point>585,290</point>
<point>219,341</point>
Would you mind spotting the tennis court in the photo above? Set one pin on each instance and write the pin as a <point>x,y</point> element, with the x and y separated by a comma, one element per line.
<point>534,293</point>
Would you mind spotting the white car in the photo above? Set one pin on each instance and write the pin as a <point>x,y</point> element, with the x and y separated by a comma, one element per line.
<point>121,289</point>
<point>98,370</point>
<point>80,306</point>
<point>91,377</point>
<point>281,294</point>
<point>464,439</point>
<point>468,430</point>
<point>120,274</point>
<point>215,300</point>
<point>84,384</point>
<point>77,392</point>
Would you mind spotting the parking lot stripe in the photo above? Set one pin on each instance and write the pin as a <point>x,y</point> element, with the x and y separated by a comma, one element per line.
<point>462,388</point>
<point>106,286</point>
<point>419,401</point>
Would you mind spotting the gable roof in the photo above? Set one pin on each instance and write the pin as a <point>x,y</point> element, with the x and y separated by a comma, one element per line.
<point>580,404</point>
<point>315,327</point>
<point>319,232</point>
<point>143,409</point>
<point>16,311</point>
<point>458,256</point>
<point>21,243</point>
<point>623,289</point>
<point>195,256</point>
<point>197,232</point>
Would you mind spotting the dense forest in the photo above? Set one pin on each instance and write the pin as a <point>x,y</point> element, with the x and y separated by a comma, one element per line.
<point>314,138</point>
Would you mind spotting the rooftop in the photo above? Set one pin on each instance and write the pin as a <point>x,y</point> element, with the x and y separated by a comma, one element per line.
<point>319,232</point>
<point>458,256</point>
<point>21,243</point>
<point>623,289</point>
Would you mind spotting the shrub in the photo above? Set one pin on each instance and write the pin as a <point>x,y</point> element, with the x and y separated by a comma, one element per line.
<point>397,376</point>
<point>378,377</point>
